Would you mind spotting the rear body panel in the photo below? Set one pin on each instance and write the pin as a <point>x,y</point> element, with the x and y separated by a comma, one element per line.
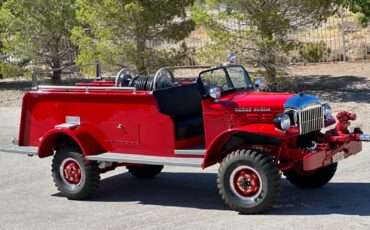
<point>120,122</point>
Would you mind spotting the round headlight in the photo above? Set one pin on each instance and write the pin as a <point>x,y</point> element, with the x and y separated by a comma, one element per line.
<point>327,111</point>
<point>282,122</point>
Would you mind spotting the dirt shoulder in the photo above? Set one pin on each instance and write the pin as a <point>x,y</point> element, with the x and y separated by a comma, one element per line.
<point>345,85</point>
<point>11,92</point>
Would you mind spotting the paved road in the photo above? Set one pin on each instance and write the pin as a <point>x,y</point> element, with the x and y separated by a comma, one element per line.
<point>180,198</point>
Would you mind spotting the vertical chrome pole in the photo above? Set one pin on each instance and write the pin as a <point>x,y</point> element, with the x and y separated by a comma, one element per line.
<point>35,84</point>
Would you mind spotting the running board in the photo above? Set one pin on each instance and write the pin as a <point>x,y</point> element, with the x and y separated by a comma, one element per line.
<point>27,150</point>
<point>197,152</point>
<point>142,159</point>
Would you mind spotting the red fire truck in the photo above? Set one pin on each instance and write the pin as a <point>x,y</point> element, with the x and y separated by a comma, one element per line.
<point>146,122</point>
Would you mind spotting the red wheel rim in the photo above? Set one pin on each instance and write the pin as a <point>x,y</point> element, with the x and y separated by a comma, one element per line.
<point>71,173</point>
<point>246,183</point>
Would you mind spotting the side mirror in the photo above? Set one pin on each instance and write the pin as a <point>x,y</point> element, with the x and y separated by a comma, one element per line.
<point>215,93</point>
<point>260,83</point>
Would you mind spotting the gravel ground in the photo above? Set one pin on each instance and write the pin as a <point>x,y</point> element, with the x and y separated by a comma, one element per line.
<point>346,86</point>
<point>179,198</point>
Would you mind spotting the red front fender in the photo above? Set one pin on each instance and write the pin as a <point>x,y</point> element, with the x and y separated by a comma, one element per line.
<point>262,133</point>
<point>81,136</point>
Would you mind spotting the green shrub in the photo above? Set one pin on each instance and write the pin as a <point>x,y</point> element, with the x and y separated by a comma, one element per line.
<point>9,70</point>
<point>314,51</point>
<point>360,52</point>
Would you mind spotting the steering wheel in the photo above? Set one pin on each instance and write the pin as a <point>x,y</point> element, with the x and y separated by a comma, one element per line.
<point>124,77</point>
<point>225,84</point>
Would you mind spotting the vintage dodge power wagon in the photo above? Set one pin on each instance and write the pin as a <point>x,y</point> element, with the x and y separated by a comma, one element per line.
<point>146,122</point>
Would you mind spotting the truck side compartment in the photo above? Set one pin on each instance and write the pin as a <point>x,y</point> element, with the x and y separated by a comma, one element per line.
<point>121,122</point>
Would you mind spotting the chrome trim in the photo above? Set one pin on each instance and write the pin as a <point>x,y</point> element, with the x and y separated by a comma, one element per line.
<point>66,126</point>
<point>86,88</point>
<point>215,93</point>
<point>157,74</point>
<point>143,159</point>
<point>27,150</point>
<point>199,152</point>
<point>128,71</point>
<point>310,112</point>
<point>301,101</point>
<point>311,119</point>
<point>73,120</point>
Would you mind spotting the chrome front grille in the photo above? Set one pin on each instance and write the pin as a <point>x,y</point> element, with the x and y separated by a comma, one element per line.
<point>311,119</point>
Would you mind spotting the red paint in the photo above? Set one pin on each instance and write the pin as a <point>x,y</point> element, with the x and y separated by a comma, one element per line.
<point>246,183</point>
<point>127,122</point>
<point>72,172</point>
<point>218,116</point>
<point>83,136</point>
<point>194,142</point>
<point>265,129</point>
<point>323,157</point>
<point>144,130</point>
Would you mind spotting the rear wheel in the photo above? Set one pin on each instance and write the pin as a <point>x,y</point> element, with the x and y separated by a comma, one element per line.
<point>248,181</point>
<point>74,177</point>
<point>145,171</point>
<point>313,179</point>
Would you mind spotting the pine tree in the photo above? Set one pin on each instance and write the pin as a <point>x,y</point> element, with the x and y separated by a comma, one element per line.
<point>132,32</point>
<point>39,31</point>
<point>262,27</point>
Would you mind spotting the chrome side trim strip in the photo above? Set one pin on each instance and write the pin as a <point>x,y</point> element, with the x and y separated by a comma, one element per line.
<point>66,126</point>
<point>198,152</point>
<point>27,150</point>
<point>142,159</point>
<point>86,88</point>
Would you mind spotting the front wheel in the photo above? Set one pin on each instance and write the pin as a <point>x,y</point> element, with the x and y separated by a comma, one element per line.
<point>313,179</point>
<point>248,181</point>
<point>74,177</point>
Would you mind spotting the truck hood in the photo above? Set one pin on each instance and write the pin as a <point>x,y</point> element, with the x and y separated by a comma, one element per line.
<point>259,101</point>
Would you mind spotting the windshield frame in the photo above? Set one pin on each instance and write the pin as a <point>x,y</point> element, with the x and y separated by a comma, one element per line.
<point>228,79</point>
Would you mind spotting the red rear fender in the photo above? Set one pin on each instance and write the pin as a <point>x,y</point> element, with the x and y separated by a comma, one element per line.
<point>59,136</point>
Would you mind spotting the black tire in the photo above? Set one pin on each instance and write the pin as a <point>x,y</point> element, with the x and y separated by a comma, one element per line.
<point>89,174</point>
<point>265,172</point>
<point>145,171</point>
<point>316,179</point>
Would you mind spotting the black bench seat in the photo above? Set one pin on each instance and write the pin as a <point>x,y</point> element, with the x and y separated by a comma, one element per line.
<point>183,105</point>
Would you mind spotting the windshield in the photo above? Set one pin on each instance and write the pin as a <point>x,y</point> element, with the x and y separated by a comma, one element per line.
<point>227,78</point>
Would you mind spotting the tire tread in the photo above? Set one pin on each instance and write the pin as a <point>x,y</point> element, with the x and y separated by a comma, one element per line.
<point>91,170</point>
<point>266,163</point>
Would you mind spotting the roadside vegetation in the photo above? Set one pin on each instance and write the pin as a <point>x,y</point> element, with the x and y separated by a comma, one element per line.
<point>146,35</point>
